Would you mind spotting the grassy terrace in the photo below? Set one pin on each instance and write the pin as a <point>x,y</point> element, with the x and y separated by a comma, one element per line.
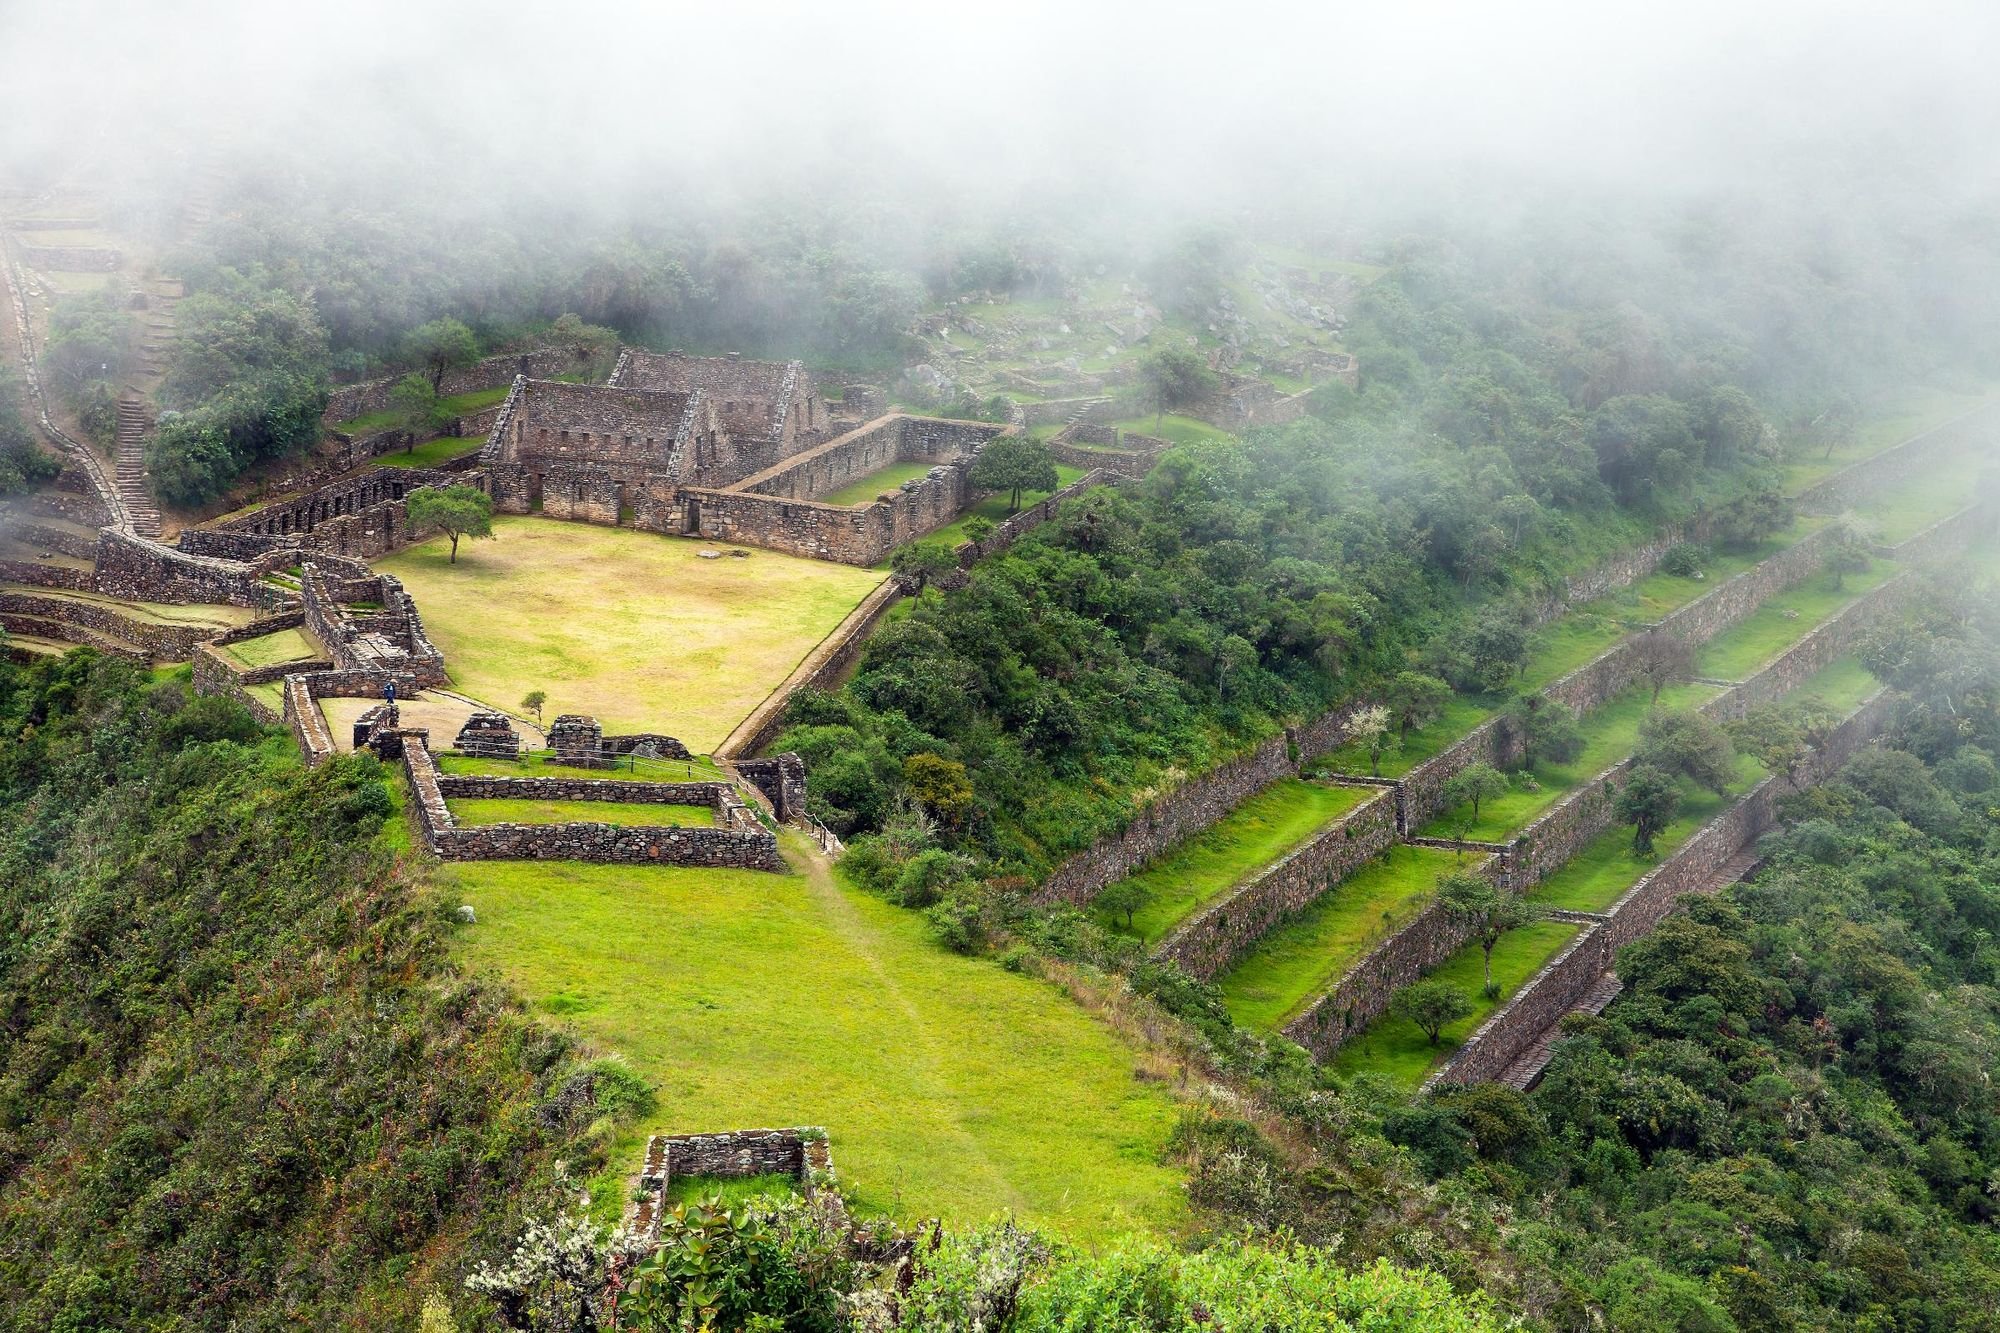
<point>863,490</point>
<point>1301,959</point>
<point>532,765</point>
<point>1895,515</point>
<point>432,452</point>
<point>994,510</point>
<point>1394,1047</point>
<point>286,645</point>
<point>950,1087</point>
<point>1256,833</point>
<point>471,810</point>
<point>1180,430</point>
<point>1782,620</point>
<point>1610,733</point>
<point>733,1191</point>
<point>1920,410</point>
<point>271,694</point>
<point>203,615</point>
<point>631,627</point>
<point>456,405</point>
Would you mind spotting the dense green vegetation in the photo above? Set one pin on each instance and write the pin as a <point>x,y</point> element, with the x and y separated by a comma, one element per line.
<point>23,462</point>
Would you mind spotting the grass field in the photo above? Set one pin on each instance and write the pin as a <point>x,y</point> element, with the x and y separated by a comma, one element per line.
<point>1737,652</point>
<point>631,627</point>
<point>1917,412</point>
<point>1396,1048</point>
<point>1899,513</point>
<point>533,765</point>
<point>1299,960</point>
<point>1250,837</point>
<point>514,810</point>
<point>456,405</point>
<point>864,489</point>
<point>286,645</point>
<point>432,452</point>
<point>949,1086</point>
<point>1181,430</point>
<point>271,694</point>
<point>1610,733</point>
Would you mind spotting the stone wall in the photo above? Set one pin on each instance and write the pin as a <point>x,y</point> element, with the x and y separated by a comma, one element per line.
<point>1127,460</point>
<point>359,400</point>
<point>159,640</point>
<point>145,571</point>
<point>635,792</point>
<point>839,462</point>
<point>1168,819</point>
<point>71,258</point>
<point>854,536</point>
<point>1214,939</point>
<point>823,668</point>
<point>47,576</point>
<point>1859,481</point>
<point>1012,529</point>
<point>799,1153</point>
<point>782,779</point>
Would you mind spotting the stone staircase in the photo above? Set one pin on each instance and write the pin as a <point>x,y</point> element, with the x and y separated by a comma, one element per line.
<point>1528,1066</point>
<point>129,464</point>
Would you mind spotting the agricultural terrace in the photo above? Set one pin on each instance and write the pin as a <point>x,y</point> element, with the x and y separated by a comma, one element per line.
<point>1298,961</point>
<point>521,810</point>
<point>1782,619</point>
<point>993,508</point>
<point>1895,514</point>
<point>285,645</point>
<point>634,628</point>
<point>950,1086</point>
<point>1254,834</point>
<point>1919,410</point>
<point>432,452</point>
<point>457,405</point>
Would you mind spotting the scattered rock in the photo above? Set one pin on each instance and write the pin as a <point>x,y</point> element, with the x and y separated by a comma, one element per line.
<point>466,914</point>
<point>709,555</point>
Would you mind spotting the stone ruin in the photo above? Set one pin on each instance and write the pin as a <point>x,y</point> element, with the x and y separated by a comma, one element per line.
<point>579,742</point>
<point>490,736</point>
<point>801,1154</point>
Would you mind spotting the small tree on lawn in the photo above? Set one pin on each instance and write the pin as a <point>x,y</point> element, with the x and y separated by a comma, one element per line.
<point>1369,729</point>
<point>1848,552</point>
<point>1648,802</point>
<point>1416,700</point>
<point>1663,659</point>
<point>1432,1005</point>
<point>440,346</point>
<point>1014,463</point>
<point>1124,899</point>
<point>1474,785</point>
<point>456,511</point>
<point>418,409</point>
<point>1175,377</point>
<point>533,701</point>
<point>1489,910</point>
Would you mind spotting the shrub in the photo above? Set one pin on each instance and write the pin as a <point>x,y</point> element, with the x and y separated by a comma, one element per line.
<point>1685,560</point>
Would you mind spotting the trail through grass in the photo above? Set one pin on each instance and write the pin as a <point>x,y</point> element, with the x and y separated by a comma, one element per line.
<point>949,1085</point>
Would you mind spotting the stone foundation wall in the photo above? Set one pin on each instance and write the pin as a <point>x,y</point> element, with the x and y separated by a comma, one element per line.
<point>782,780</point>
<point>799,1153</point>
<point>47,576</point>
<point>709,794</point>
<point>145,571</point>
<point>1019,525</point>
<point>159,641</point>
<point>1214,939</point>
<point>1127,462</point>
<point>853,536</point>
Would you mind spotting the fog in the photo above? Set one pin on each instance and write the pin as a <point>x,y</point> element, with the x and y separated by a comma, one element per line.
<point>1131,106</point>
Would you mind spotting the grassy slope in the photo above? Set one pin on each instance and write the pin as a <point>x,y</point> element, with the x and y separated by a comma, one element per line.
<point>1598,875</point>
<point>1256,833</point>
<point>1394,1047</point>
<point>286,645</point>
<point>1740,650</point>
<point>1302,958</point>
<point>863,489</point>
<point>515,810</point>
<point>631,627</point>
<point>949,1085</point>
<point>432,452</point>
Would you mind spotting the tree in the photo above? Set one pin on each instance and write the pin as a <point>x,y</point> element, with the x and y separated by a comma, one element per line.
<point>1753,518</point>
<point>596,347</point>
<point>1690,746</point>
<point>1014,463</point>
<point>441,346</point>
<point>1175,377</point>
<point>1547,729</point>
<point>1662,659</point>
<point>1125,898</point>
<point>939,785</point>
<point>1416,700</point>
<point>1368,728</point>
<point>418,409</point>
<point>1848,551</point>
<point>457,511</point>
<point>1497,647</point>
<point>1431,1004</point>
<point>1489,910</point>
<point>1475,783</point>
<point>1648,802</point>
<point>922,563</point>
<point>1783,736</point>
<point>533,701</point>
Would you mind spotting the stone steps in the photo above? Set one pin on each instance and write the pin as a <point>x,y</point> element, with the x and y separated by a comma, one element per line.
<point>1528,1067</point>
<point>129,467</point>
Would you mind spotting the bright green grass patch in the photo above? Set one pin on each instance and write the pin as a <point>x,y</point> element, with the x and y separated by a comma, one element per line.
<point>286,645</point>
<point>1598,876</point>
<point>1918,411</point>
<point>1179,429</point>
<point>949,1086</point>
<point>632,814</point>
<point>1842,685</point>
<point>1895,514</point>
<point>732,1191</point>
<point>432,452</point>
<point>1739,651</point>
<point>1460,715</point>
<point>864,489</point>
<point>456,405</point>
<point>1250,837</point>
<point>993,509</point>
<point>533,765</point>
<point>1610,733</point>
<point>1394,1046</point>
<point>1298,962</point>
<point>633,628</point>
<point>271,694</point>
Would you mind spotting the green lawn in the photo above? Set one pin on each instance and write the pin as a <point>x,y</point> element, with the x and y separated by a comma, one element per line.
<point>631,627</point>
<point>1782,620</point>
<point>271,694</point>
<point>286,645</point>
<point>456,405</point>
<point>863,490</point>
<point>432,452</point>
<point>1395,1047</point>
<point>1598,875</point>
<point>1610,733</point>
<point>733,1191</point>
<point>950,1087</point>
<point>1250,837</point>
<point>1917,411</point>
<point>1179,429</point>
<point>514,810</point>
<point>993,509</point>
<point>1841,685</point>
<point>1299,961</point>
<point>542,765</point>
<point>1896,514</point>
